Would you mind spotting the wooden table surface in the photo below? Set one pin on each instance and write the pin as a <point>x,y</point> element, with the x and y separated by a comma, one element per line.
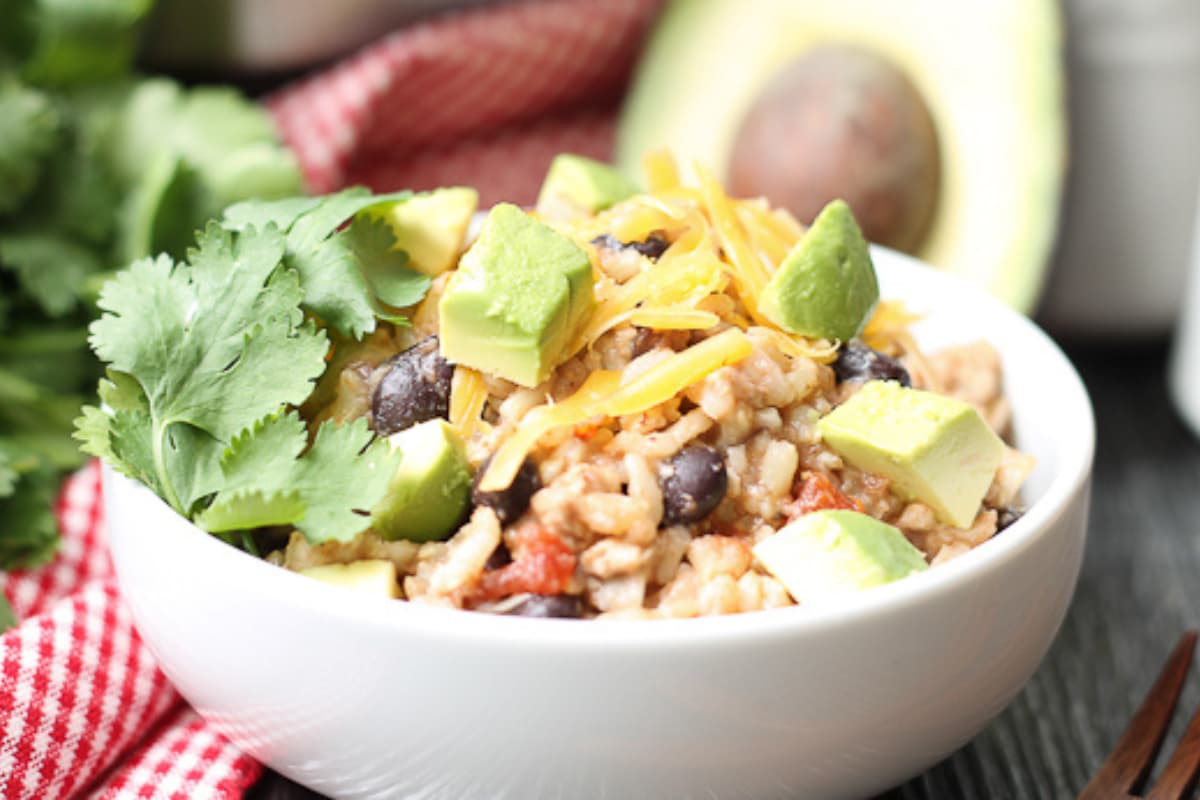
<point>1140,588</point>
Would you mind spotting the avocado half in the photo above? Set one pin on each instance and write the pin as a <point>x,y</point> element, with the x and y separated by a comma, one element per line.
<point>989,74</point>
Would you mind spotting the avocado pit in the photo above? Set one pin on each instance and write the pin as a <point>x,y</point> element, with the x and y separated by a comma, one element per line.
<point>840,121</point>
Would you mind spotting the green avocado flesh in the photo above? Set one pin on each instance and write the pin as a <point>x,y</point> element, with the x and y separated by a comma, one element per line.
<point>933,448</point>
<point>373,577</point>
<point>431,490</point>
<point>825,554</point>
<point>430,227</point>
<point>575,186</point>
<point>990,74</point>
<point>826,287</point>
<point>517,299</point>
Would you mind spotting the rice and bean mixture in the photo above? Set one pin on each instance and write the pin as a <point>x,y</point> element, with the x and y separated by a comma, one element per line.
<point>654,514</point>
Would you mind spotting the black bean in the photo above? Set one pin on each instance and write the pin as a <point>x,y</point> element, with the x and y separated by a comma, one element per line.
<point>509,504</point>
<point>415,388</point>
<point>857,362</point>
<point>693,484</point>
<point>646,340</point>
<point>562,606</point>
<point>1006,517</point>
<point>500,557</point>
<point>652,247</point>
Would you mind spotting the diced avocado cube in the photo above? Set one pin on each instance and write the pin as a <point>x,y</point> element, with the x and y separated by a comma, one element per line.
<point>826,286</point>
<point>431,226</point>
<point>374,577</point>
<point>517,300</point>
<point>576,186</point>
<point>826,554</point>
<point>430,493</point>
<point>934,449</point>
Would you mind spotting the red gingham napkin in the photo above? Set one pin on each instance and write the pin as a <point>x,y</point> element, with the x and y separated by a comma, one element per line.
<point>484,98</point>
<point>83,707</point>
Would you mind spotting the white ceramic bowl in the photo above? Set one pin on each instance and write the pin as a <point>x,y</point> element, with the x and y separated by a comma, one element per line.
<point>371,699</point>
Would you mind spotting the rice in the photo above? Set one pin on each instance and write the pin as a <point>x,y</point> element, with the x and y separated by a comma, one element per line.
<point>595,525</point>
<point>600,491</point>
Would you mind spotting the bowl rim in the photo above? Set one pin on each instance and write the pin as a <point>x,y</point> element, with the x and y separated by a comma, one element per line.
<point>1070,479</point>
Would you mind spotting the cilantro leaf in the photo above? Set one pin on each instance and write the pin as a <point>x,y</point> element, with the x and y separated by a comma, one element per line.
<point>28,124</point>
<point>28,529</point>
<point>131,448</point>
<point>18,34</point>
<point>316,225</point>
<point>193,465</point>
<point>53,356</point>
<point>84,41</point>
<point>227,139</point>
<point>385,268</point>
<point>336,483</point>
<point>334,287</point>
<point>50,267</point>
<point>122,392</point>
<point>269,446</point>
<point>8,474</point>
<point>29,537</point>
<point>160,212</point>
<point>7,618</point>
<point>93,431</point>
<point>261,213</point>
<point>215,345</point>
<point>98,167</point>
<point>350,277</point>
<point>241,509</point>
<point>28,407</point>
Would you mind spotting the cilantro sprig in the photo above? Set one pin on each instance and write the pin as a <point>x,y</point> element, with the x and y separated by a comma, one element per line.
<point>209,360</point>
<point>98,167</point>
<point>351,277</point>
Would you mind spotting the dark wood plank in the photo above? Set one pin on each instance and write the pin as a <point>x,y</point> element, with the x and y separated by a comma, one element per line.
<point>1140,588</point>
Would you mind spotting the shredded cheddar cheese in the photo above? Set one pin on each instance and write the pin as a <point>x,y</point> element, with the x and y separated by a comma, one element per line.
<point>604,393</point>
<point>683,280</point>
<point>674,318</point>
<point>890,316</point>
<point>750,275</point>
<point>662,174</point>
<point>677,372</point>
<point>770,238</point>
<point>468,396</point>
<point>717,245</point>
<point>794,346</point>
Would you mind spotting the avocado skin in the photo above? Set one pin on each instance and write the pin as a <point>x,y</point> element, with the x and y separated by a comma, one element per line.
<point>991,75</point>
<point>826,288</point>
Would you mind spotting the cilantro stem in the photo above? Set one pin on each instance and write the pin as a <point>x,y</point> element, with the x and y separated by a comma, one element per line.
<point>248,544</point>
<point>160,463</point>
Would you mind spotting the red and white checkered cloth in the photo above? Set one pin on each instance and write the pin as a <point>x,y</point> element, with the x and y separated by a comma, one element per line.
<point>485,98</point>
<point>83,706</point>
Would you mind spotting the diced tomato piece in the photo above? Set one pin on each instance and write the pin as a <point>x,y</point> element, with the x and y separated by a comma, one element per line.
<point>586,430</point>
<point>542,564</point>
<point>818,493</point>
